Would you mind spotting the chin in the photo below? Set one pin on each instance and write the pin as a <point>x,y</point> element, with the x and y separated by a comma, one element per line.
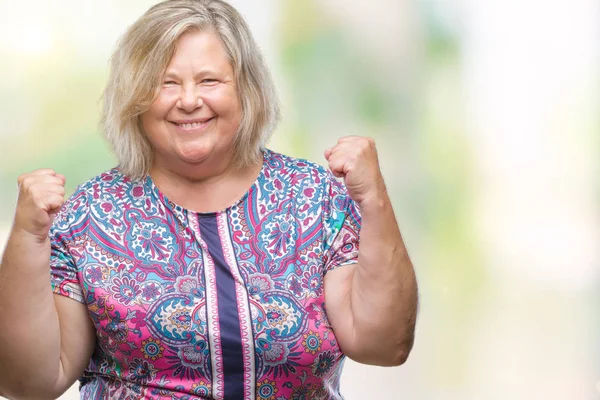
<point>193,158</point>
<point>194,154</point>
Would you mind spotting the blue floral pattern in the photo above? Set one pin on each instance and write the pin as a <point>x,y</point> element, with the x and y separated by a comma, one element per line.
<point>147,271</point>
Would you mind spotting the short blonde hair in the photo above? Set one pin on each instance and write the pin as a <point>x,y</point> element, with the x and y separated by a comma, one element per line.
<point>141,57</point>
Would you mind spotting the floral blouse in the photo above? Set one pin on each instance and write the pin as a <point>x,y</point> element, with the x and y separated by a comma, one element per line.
<point>225,305</point>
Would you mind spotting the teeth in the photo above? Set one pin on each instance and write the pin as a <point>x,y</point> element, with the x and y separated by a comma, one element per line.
<point>190,126</point>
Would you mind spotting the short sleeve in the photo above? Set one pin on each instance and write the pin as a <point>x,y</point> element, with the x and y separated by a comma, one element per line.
<point>66,235</point>
<point>342,224</point>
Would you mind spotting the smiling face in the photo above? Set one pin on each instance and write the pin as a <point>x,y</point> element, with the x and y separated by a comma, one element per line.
<point>197,113</point>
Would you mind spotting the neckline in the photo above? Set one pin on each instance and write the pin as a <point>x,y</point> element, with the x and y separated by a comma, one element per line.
<point>179,209</point>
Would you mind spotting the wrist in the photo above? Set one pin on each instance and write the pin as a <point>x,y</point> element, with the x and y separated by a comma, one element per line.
<point>376,199</point>
<point>22,233</point>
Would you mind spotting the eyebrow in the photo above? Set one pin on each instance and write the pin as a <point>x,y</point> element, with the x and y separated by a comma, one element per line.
<point>203,72</point>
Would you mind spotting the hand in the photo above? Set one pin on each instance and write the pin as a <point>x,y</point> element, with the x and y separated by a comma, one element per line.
<point>41,195</point>
<point>354,158</point>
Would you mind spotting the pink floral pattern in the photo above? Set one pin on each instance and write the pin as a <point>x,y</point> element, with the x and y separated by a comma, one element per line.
<point>152,273</point>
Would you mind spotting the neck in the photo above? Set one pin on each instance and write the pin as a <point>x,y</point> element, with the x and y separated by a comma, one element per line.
<point>201,189</point>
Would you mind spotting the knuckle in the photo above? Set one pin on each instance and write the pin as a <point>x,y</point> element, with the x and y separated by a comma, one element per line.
<point>22,178</point>
<point>27,182</point>
<point>36,198</point>
<point>57,202</point>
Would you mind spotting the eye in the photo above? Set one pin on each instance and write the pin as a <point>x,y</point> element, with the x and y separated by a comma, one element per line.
<point>169,82</point>
<point>209,81</point>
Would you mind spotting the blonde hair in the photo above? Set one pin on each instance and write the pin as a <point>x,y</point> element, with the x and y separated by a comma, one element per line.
<point>141,57</point>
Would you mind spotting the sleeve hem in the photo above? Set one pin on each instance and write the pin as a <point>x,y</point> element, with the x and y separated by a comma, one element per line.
<point>331,268</point>
<point>70,290</point>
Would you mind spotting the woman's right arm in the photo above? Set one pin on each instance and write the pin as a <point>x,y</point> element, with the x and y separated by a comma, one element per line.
<point>46,340</point>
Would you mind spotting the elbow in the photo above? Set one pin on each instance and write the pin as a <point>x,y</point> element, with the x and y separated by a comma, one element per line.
<point>9,389</point>
<point>24,390</point>
<point>399,357</point>
<point>12,391</point>
<point>395,356</point>
<point>392,355</point>
<point>398,353</point>
<point>403,349</point>
<point>22,393</point>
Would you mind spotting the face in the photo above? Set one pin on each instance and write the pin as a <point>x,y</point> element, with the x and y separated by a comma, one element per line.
<point>197,113</point>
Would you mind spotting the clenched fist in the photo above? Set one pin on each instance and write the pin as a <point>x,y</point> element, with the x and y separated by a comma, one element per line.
<point>41,195</point>
<point>354,158</point>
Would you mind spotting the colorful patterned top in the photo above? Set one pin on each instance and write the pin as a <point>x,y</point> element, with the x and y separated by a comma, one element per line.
<point>226,305</point>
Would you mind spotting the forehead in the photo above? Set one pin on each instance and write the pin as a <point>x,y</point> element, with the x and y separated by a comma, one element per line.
<point>198,50</point>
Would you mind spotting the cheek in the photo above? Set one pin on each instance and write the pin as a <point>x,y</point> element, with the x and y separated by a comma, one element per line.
<point>153,120</point>
<point>160,108</point>
<point>225,103</point>
<point>162,105</point>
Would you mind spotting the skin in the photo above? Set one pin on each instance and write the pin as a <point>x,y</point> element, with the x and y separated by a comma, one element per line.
<point>371,305</point>
<point>193,161</point>
<point>38,366</point>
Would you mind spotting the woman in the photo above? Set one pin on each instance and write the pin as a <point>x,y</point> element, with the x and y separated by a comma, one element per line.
<point>205,265</point>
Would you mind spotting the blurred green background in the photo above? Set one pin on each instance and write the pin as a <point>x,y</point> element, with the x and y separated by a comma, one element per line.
<point>486,119</point>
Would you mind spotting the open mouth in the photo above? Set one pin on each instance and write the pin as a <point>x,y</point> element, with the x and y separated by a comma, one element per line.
<point>190,125</point>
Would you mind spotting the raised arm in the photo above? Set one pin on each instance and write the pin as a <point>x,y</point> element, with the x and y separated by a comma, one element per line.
<point>372,305</point>
<point>46,340</point>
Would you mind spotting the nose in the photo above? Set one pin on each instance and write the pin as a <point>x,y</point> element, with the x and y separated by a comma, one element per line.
<point>190,98</point>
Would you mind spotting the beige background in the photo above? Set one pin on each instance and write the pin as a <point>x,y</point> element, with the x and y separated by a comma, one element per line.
<point>486,118</point>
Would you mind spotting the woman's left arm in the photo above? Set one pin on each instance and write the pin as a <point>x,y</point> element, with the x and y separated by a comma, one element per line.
<point>372,305</point>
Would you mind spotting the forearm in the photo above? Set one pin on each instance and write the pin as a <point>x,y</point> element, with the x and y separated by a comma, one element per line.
<point>384,288</point>
<point>30,335</point>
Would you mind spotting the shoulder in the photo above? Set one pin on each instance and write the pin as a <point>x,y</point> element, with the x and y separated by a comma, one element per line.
<point>299,169</point>
<point>111,181</point>
<point>89,194</point>
<point>307,180</point>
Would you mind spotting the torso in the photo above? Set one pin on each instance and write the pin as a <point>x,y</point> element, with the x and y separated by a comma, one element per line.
<point>224,305</point>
